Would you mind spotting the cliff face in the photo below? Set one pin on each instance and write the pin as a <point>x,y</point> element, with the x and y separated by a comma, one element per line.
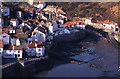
<point>97,10</point>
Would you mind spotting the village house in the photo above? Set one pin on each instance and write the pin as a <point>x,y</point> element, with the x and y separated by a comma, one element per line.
<point>51,8</point>
<point>31,11</point>
<point>76,19</point>
<point>12,51</point>
<point>20,14</point>
<point>80,26</point>
<point>50,28</point>
<point>35,49</point>
<point>15,40</point>
<point>39,36</point>
<point>41,5</point>
<point>108,25</point>
<point>5,11</point>
<point>11,30</point>
<point>55,26</point>
<point>60,11</point>
<point>117,28</point>
<point>30,2</point>
<point>88,20</point>
<point>100,24</point>
<point>5,36</point>
<point>14,22</point>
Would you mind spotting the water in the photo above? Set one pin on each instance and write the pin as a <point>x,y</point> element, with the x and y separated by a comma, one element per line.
<point>104,56</point>
<point>74,70</point>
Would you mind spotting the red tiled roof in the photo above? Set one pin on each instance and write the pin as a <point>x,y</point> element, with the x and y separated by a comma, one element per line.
<point>15,47</point>
<point>89,18</point>
<point>18,47</point>
<point>117,26</point>
<point>66,23</point>
<point>72,23</point>
<point>13,20</point>
<point>24,21</point>
<point>25,8</point>
<point>76,18</point>
<point>109,23</point>
<point>31,9</point>
<point>39,44</point>
<point>99,22</point>
<point>41,2</point>
<point>59,7</point>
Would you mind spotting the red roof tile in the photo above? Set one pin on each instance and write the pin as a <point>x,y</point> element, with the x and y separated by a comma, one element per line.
<point>100,22</point>
<point>41,2</point>
<point>13,20</point>
<point>59,7</point>
<point>18,47</point>
<point>39,44</point>
<point>89,18</point>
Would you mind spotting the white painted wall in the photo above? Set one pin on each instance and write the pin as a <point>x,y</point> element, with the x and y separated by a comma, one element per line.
<point>11,31</point>
<point>1,50</point>
<point>6,12</point>
<point>39,37</point>
<point>87,21</point>
<point>50,28</point>
<point>12,53</point>
<point>15,23</point>
<point>6,38</point>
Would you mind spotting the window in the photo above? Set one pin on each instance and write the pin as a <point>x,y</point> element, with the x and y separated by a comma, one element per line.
<point>116,29</point>
<point>0,49</point>
<point>5,12</point>
<point>39,49</point>
<point>18,55</point>
<point>18,51</point>
<point>4,36</point>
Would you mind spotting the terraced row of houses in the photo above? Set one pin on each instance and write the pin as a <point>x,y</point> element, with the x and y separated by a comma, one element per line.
<point>28,34</point>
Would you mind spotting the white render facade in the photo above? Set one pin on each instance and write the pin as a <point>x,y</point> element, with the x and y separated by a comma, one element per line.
<point>35,51</point>
<point>39,37</point>
<point>1,50</point>
<point>6,11</point>
<point>12,54</point>
<point>15,23</point>
<point>5,38</point>
<point>88,21</point>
